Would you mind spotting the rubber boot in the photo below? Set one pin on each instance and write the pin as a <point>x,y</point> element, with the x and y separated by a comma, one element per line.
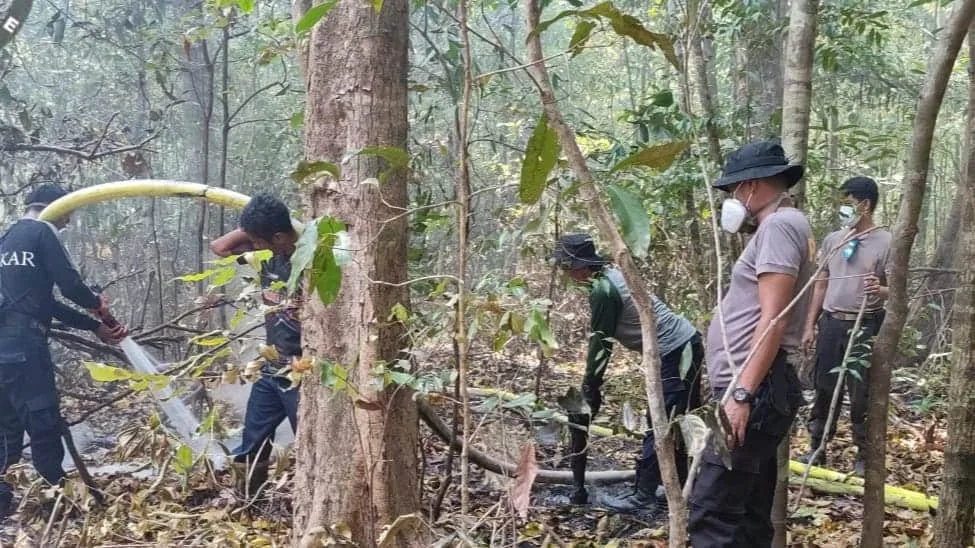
<point>578,441</point>
<point>641,499</point>
<point>7,506</point>
<point>820,459</point>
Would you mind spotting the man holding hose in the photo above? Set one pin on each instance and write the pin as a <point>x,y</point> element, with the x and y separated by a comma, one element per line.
<point>32,262</point>
<point>854,261</point>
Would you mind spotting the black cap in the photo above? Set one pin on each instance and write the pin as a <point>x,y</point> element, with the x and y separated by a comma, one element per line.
<point>758,160</point>
<point>577,251</point>
<point>44,195</point>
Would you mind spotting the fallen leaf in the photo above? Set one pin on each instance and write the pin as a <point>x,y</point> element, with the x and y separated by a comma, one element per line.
<point>521,489</point>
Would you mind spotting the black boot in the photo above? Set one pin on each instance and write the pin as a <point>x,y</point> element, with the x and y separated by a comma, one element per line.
<point>820,459</point>
<point>642,499</point>
<point>7,506</point>
<point>251,478</point>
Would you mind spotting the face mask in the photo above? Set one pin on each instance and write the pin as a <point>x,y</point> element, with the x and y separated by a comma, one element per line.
<point>848,215</point>
<point>734,214</point>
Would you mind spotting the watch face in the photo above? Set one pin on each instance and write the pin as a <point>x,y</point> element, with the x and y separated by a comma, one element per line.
<point>740,394</point>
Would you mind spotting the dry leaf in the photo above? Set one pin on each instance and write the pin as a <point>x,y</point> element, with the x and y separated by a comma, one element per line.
<point>521,489</point>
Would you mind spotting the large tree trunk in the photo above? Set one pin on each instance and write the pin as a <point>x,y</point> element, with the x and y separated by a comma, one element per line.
<point>905,229</point>
<point>796,102</point>
<point>956,509</point>
<point>356,457</point>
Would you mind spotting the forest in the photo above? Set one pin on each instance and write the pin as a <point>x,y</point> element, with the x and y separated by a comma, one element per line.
<point>432,154</point>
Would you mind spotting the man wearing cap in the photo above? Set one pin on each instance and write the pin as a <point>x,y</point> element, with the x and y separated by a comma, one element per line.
<point>614,317</point>
<point>854,261</point>
<point>752,343</point>
<point>32,262</point>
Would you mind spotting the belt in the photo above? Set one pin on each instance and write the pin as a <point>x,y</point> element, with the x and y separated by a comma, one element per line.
<point>852,316</point>
<point>20,320</point>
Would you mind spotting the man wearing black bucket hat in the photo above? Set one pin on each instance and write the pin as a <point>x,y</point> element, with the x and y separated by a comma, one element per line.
<point>614,317</point>
<point>752,345</point>
<point>854,268</point>
<point>32,262</point>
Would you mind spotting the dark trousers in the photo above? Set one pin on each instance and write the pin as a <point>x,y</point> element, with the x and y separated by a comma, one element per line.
<point>680,395</point>
<point>270,402</point>
<point>834,335</point>
<point>732,508</point>
<point>29,403</point>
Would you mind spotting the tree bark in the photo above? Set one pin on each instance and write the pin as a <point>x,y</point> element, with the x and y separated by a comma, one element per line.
<point>904,232</point>
<point>356,454</point>
<point>796,103</point>
<point>797,97</point>
<point>606,224</point>
<point>956,511</point>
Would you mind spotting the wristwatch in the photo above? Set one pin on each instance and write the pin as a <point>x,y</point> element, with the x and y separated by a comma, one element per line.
<point>742,395</point>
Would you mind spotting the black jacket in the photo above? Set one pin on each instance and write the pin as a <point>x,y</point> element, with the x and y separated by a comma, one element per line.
<point>32,262</point>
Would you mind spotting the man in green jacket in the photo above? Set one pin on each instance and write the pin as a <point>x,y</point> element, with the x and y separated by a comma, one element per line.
<point>614,317</point>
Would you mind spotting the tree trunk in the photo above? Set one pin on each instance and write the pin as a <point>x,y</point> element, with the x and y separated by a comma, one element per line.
<point>796,101</point>
<point>956,511</point>
<point>797,96</point>
<point>356,456</point>
<point>905,229</point>
<point>606,224</point>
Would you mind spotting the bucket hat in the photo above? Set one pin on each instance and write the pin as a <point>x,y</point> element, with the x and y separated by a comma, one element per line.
<point>757,161</point>
<point>577,251</point>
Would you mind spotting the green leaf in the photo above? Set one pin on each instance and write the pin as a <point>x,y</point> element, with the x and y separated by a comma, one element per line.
<point>223,276</point>
<point>209,341</point>
<point>197,277</point>
<point>326,274</point>
<point>399,313</point>
<point>397,158</point>
<point>634,221</point>
<point>657,156</point>
<point>106,373</point>
<point>297,119</point>
<point>538,330</point>
<point>377,5</point>
<point>523,401</point>
<point>627,25</point>
<point>304,253</point>
<point>544,25</point>
<point>309,169</point>
<point>313,16</point>
<point>184,457</point>
<point>580,36</point>
<point>540,157</point>
<point>246,6</point>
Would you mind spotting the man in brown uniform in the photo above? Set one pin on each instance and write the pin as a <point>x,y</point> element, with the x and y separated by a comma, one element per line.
<point>754,334</point>
<point>855,264</point>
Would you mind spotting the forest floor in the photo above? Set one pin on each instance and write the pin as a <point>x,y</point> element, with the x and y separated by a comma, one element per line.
<point>155,501</point>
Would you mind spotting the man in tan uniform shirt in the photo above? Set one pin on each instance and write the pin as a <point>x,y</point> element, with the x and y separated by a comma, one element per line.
<point>855,259</point>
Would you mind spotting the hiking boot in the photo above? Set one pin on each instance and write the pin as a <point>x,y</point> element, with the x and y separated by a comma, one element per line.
<point>637,501</point>
<point>859,465</point>
<point>820,459</point>
<point>642,498</point>
<point>7,506</point>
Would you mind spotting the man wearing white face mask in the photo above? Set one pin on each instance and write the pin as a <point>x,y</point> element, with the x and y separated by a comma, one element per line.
<point>752,333</point>
<point>854,268</point>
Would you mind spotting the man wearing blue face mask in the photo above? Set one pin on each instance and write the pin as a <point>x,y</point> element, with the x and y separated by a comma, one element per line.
<point>854,262</point>
<point>752,334</point>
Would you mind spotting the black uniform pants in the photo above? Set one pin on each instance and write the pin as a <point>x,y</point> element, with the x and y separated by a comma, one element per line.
<point>29,402</point>
<point>270,402</point>
<point>680,396</point>
<point>732,508</point>
<point>834,335</point>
